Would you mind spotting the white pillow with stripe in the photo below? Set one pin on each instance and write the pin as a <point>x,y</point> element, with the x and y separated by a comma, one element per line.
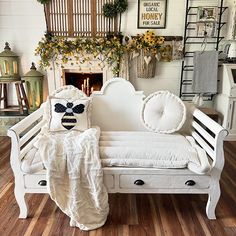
<point>69,114</point>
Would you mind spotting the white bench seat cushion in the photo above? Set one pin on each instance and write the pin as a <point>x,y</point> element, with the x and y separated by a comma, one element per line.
<point>140,149</point>
<point>148,149</point>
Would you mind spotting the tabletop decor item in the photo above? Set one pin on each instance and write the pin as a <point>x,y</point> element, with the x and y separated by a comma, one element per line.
<point>9,65</point>
<point>34,87</point>
<point>166,52</point>
<point>109,11</point>
<point>43,1</point>
<point>121,6</point>
<point>207,13</point>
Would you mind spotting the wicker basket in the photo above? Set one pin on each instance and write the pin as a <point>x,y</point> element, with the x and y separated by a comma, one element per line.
<point>146,70</point>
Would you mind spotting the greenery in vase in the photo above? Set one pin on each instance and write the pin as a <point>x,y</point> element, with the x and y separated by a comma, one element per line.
<point>148,41</point>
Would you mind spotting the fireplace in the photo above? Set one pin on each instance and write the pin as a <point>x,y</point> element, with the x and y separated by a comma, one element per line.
<point>75,74</point>
<point>87,82</point>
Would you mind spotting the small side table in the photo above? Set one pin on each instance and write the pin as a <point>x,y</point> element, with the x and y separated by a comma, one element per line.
<point>20,93</point>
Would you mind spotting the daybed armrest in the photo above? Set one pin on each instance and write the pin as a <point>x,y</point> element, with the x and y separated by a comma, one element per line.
<point>23,133</point>
<point>210,136</point>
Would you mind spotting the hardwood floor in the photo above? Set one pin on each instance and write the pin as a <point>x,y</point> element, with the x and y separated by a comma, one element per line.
<point>138,215</point>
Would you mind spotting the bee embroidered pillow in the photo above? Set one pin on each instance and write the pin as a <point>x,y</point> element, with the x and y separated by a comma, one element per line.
<point>67,114</point>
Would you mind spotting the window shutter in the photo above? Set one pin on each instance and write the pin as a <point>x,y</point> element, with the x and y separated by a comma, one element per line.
<point>73,18</point>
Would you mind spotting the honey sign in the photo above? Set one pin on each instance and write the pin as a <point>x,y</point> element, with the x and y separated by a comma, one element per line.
<point>152,13</point>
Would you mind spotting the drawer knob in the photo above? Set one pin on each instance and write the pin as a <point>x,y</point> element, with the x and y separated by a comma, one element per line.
<point>42,183</point>
<point>139,182</point>
<point>190,183</point>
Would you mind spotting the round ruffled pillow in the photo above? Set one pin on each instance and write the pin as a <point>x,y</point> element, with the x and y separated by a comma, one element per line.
<point>163,112</point>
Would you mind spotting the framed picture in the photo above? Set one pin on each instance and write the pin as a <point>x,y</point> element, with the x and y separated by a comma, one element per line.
<point>207,14</point>
<point>152,14</point>
<point>206,29</point>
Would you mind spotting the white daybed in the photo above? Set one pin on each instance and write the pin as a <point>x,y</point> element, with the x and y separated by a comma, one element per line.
<point>117,108</point>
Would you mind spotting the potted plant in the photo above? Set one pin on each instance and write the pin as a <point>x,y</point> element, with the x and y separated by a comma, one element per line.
<point>109,11</point>
<point>44,2</point>
<point>121,6</point>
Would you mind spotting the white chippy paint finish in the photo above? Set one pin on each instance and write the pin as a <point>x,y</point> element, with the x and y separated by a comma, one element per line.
<point>118,179</point>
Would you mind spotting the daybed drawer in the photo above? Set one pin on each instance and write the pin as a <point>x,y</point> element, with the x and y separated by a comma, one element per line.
<point>109,181</point>
<point>38,181</point>
<point>163,181</point>
<point>35,181</point>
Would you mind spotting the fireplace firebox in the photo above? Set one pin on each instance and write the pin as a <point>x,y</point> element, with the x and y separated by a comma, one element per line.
<point>87,82</point>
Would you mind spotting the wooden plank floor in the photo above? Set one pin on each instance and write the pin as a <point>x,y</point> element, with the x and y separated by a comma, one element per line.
<point>144,214</point>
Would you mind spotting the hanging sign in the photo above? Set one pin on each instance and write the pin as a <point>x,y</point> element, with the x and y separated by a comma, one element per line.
<point>152,14</point>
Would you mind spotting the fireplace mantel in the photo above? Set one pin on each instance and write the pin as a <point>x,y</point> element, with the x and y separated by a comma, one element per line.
<point>56,74</point>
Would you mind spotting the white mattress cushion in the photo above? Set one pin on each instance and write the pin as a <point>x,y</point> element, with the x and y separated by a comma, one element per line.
<point>163,112</point>
<point>146,149</point>
<point>140,149</point>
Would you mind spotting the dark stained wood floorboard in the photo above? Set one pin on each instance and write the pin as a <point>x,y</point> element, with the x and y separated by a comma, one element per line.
<point>134,215</point>
<point>186,215</point>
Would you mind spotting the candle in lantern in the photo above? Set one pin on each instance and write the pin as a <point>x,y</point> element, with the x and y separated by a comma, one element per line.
<point>6,67</point>
<point>15,69</point>
<point>37,104</point>
<point>82,87</point>
<point>84,83</point>
<point>91,89</point>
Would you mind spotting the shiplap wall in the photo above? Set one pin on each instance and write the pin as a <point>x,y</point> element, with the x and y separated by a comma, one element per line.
<point>22,24</point>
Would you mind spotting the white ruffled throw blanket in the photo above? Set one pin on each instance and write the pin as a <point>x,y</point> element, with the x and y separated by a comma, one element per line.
<point>75,176</point>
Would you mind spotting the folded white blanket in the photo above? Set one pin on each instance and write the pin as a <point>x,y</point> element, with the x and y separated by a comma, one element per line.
<point>75,176</point>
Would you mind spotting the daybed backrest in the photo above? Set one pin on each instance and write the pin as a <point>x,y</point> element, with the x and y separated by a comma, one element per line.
<point>187,126</point>
<point>117,106</point>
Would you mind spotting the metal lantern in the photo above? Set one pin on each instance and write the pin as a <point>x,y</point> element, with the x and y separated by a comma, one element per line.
<point>9,65</point>
<point>34,87</point>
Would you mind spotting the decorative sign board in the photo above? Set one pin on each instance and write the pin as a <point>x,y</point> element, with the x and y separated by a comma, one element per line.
<point>152,14</point>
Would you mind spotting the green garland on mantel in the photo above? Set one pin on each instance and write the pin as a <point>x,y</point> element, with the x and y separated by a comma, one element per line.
<point>63,50</point>
<point>80,50</point>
